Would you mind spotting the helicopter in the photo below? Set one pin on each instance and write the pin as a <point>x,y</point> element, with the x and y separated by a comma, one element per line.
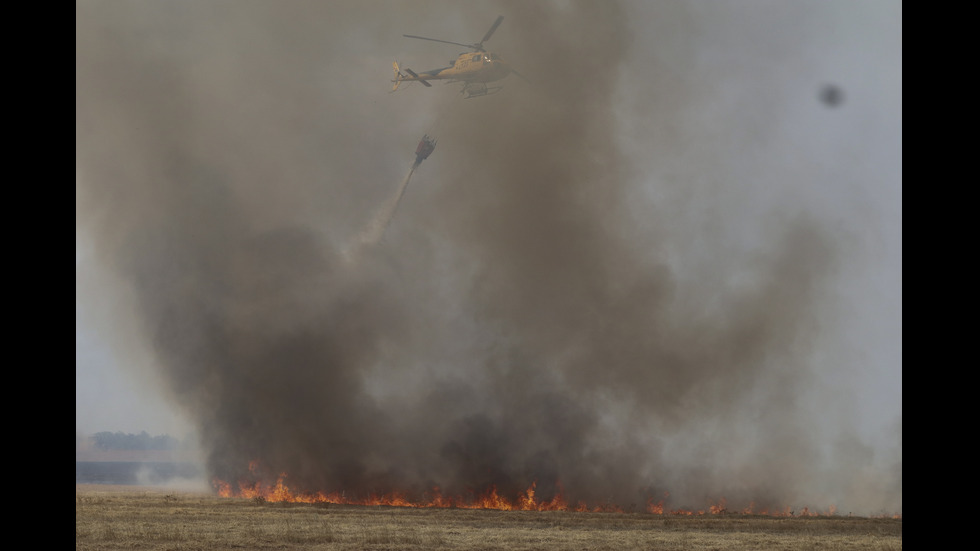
<point>474,69</point>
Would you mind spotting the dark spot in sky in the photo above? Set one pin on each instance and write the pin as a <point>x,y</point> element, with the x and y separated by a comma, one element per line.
<point>831,95</point>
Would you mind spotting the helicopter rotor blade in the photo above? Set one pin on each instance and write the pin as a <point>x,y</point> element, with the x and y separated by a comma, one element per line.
<point>520,75</point>
<point>477,47</point>
<point>437,40</point>
<point>490,32</point>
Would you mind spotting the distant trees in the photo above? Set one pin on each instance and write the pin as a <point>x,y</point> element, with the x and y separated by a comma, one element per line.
<point>141,441</point>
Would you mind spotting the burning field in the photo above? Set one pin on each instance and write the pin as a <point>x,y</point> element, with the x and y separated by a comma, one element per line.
<point>489,500</point>
<point>151,519</point>
<point>629,284</point>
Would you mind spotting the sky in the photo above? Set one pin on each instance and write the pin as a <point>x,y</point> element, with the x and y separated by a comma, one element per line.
<point>668,187</point>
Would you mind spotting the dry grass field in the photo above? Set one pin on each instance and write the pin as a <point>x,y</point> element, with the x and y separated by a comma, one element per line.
<point>128,517</point>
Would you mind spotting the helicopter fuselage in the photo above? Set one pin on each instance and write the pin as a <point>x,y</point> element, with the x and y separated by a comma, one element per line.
<point>469,67</point>
<point>479,67</point>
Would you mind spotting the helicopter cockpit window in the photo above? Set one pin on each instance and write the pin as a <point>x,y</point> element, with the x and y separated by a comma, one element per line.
<point>476,58</point>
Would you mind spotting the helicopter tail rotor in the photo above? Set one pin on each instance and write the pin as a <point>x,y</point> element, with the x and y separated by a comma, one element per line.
<point>398,76</point>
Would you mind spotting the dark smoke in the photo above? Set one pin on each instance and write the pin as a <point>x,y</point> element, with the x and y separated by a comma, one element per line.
<point>526,318</point>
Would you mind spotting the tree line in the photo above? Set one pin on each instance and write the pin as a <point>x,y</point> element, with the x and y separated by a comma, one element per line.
<point>141,441</point>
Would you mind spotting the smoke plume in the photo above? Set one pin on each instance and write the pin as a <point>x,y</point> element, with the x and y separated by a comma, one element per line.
<point>374,231</point>
<point>545,307</point>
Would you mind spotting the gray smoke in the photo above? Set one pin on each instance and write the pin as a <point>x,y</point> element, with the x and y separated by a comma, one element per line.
<point>372,233</point>
<point>615,277</point>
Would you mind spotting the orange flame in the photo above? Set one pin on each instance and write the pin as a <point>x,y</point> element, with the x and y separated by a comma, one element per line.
<point>491,499</point>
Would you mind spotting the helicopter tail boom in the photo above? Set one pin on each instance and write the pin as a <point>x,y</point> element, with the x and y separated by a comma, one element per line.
<point>399,77</point>
<point>417,77</point>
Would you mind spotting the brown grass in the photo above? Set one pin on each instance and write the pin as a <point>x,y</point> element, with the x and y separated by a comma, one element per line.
<point>108,518</point>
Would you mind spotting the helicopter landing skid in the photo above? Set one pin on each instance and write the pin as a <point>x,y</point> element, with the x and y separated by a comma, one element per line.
<point>475,90</point>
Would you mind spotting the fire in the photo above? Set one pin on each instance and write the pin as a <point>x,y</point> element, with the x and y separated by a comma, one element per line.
<point>527,500</point>
<point>719,508</point>
<point>491,499</point>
